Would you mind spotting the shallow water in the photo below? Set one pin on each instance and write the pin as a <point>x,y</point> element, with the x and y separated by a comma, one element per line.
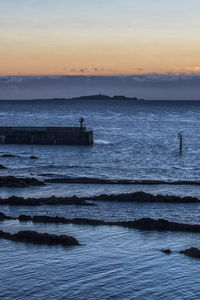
<point>132,140</point>
<point>113,263</point>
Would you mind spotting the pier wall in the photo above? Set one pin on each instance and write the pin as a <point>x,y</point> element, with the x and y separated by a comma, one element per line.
<point>46,135</point>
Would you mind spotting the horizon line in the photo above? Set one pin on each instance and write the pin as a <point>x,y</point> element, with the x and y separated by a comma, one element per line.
<point>103,75</point>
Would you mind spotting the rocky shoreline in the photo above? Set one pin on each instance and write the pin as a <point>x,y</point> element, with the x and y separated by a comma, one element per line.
<point>140,197</point>
<point>146,224</point>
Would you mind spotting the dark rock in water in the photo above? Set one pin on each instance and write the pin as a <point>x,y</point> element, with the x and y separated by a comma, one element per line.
<point>132,197</point>
<point>192,252</point>
<point>46,174</point>
<point>142,224</point>
<point>166,251</point>
<point>33,157</point>
<point>14,200</point>
<point>11,181</point>
<point>24,218</point>
<point>9,155</point>
<point>40,238</point>
<point>89,180</point>
<point>145,197</point>
<point>4,217</point>
<point>163,225</point>
<point>2,167</point>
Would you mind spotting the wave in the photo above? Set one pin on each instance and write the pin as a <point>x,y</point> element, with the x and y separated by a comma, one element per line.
<point>66,167</point>
<point>102,142</point>
<point>186,168</point>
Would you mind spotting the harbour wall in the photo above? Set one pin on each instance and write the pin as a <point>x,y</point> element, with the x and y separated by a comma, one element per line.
<point>46,135</point>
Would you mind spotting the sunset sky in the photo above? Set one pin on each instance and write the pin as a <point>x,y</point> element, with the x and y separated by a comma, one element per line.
<point>99,37</point>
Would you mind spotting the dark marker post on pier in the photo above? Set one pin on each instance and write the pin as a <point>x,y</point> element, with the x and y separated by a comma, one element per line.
<point>81,120</point>
<point>180,143</point>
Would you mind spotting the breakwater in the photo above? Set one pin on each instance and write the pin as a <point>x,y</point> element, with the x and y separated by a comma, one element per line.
<point>46,135</point>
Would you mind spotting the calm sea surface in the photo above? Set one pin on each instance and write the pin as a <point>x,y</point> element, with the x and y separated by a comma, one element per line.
<point>132,140</point>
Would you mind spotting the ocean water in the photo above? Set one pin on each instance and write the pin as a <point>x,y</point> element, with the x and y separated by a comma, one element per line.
<point>132,140</point>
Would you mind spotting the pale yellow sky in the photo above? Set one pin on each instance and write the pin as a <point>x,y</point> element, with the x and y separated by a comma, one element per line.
<point>98,37</point>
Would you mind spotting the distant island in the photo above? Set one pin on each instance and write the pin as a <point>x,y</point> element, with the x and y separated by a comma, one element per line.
<point>104,97</point>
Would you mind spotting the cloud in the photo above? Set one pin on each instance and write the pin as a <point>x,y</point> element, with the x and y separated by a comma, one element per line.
<point>148,86</point>
<point>187,70</point>
<point>83,70</point>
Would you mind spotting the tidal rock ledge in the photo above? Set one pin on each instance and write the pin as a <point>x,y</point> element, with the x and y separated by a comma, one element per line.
<point>132,197</point>
<point>4,217</point>
<point>144,197</point>
<point>12,181</point>
<point>34,237</point>
<point>146,224</point>
<point>53,200</point>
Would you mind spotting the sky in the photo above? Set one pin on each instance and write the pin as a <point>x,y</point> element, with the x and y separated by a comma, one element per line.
<point>144,48</point>
<point>99,37</point>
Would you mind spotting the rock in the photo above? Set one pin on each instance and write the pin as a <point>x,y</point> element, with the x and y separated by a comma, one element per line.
<point>2,167</point>
<point>4,217</point>
<point>163,225</point>
<point>166,251</point>
<point>14,200</point>
<point>34,237</point>
<point>33,157</point>
<point>9,155</point>
<point>144,197</point>
<point>24,218</point>
<point>12,181</point>
<point>142,224</point>
<point>192,252</point>
<point>89,180</point>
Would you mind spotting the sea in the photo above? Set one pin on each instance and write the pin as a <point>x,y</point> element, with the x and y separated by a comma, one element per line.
<point>133,140</point>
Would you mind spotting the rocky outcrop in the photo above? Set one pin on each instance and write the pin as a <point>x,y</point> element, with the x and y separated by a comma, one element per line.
<point>192,252</point>
<point>9,155</point>
<point>133,197</point>
<point>145,197</point>
<point>2,167</point>
<point>142,224</point>
<point>14,200</point>
<point>12,181</point>
<point>34,237</point>
<point>163,225</point>
<point>4,217</point>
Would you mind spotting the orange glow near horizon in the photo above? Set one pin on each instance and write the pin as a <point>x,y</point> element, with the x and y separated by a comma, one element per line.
<point>99,38</point>
<point>104,60</point>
